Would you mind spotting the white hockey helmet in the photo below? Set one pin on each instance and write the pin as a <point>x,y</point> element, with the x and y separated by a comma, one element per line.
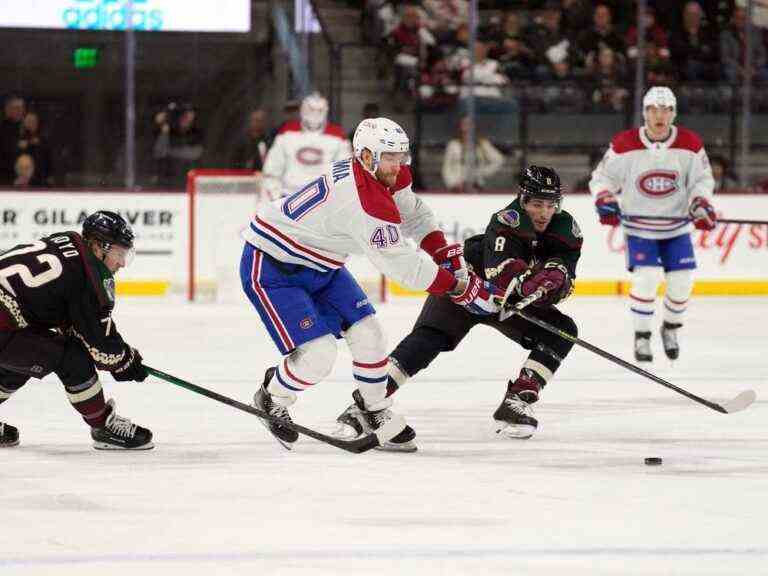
<point>314,112</point>
<point>660,96</point>
<point>379,135</point>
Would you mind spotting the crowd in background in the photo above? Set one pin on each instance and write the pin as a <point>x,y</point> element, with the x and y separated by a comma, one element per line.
<point>25,156</point>
<point>584,50</point>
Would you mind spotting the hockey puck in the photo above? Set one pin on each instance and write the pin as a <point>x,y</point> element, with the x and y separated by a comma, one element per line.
<point>653,461</point>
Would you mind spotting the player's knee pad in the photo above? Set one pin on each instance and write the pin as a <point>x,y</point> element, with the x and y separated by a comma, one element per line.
<point>645,282</point>
<point>313,361</point>
<point>679,284</point>
<point>366,340</point>
<point>76,368</point>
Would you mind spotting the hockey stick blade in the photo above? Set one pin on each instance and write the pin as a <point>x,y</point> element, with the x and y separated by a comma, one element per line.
<point>357,446</point>
<point>741,402</point>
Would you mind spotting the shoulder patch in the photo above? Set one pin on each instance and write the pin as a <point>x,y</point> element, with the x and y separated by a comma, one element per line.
<point>509,218</point>
<point>109,288</point>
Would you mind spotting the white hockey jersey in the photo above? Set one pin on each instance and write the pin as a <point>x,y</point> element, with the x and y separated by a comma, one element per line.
<point>654,179</point>
<point>348,211</point>
<point>297,156</point>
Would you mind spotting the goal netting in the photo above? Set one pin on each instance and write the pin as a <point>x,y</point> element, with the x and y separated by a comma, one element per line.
<point>220,204</point>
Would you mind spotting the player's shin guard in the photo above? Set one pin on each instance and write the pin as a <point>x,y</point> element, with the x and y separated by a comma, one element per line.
<point>88,399</point>
<point>679,288</point>
<point>642,296</point>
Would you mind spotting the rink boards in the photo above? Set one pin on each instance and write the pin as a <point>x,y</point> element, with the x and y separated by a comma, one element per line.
<point>733,259</point>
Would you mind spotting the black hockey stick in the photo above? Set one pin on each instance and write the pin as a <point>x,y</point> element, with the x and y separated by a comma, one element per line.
<point>355,446</point>
<point>740,402</point>
<point>689,219</point>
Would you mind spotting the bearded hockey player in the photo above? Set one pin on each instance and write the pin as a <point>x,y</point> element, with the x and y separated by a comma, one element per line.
<point>292,270</point>
<point>656,170</point>
<point>56,301</point>
<point>531,244</point>
<point>303,149</point>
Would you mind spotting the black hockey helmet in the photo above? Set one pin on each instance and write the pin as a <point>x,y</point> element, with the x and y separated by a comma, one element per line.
<point>108,228</point>
<point>540,182</point>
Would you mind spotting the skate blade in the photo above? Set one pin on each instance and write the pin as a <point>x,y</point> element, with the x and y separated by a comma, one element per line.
<point>283,443</point>
<point>405,447</point>
<point>112,447</point>
<point>514,431</point>
<point>9,444</point>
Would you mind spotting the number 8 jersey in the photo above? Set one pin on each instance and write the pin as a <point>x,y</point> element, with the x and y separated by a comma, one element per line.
<point>348,211</point>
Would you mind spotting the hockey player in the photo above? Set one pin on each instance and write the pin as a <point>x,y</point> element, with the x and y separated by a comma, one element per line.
<point>293,272</point>
<point>659,170</point>
<point>531,244</point>
<point>303,149</point>
<point>56,301</point>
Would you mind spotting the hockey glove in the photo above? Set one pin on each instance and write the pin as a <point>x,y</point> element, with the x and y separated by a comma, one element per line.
<point>553,277</point>
<point>503,274</point>
<point>476,295</point>
<point>451,257</point>
<point>608,209</point>
<point>703,214</point>
<point>132,368</point>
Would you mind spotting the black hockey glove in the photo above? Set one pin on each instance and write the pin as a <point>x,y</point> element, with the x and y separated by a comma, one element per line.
<point>132,368</point>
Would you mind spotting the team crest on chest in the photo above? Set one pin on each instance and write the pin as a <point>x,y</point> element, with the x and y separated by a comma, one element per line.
<point>509,218</point>
<point>658,183</point>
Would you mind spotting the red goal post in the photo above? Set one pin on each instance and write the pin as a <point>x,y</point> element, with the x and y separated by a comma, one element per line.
<point>220,204</point>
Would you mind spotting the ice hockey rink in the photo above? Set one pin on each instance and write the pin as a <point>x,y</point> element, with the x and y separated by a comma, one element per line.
<point>218,496</point>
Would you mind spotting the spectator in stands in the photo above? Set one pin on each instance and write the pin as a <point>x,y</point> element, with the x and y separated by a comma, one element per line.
<point>445,16</point>
<point>488,161</point>
<point>732,52</point>
<point>655,35</point>
<point>251,151</point>
<point>32,143</point>
<point>575,17</point>
<point>547,41</point>
<point>410,43</point>
<point>178,146</point>
<point>24,172</point>
<point>600,35</point>
<point>607,72</point>
<point>439,87</point>
<point>721,172</point>
<point>488,78</point>
<point>694,47</point>
<point>10,132</point>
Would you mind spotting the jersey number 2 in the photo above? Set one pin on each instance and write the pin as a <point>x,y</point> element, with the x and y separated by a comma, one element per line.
<point>300,203</point>
<point>32,280</point>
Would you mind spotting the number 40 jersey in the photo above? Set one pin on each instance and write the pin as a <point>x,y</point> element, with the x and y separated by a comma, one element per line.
<point>348,211</point>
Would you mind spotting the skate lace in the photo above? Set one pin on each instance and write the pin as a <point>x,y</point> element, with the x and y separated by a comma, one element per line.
<point>669,337</point>
<point>279,411</point>
<point>516,404</point>
<point>379,418</point>
<point>643,345</point>
<point>122,427</point>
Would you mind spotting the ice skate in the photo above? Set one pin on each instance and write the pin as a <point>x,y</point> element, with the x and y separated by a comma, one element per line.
<point>9,435</point>
<point>120,433</point>
<point>643,347</point>
<point>514,416</point>
<point>669,339</point>
<point>394,434</point>
<point>353,425</point>
<point>265,401</point>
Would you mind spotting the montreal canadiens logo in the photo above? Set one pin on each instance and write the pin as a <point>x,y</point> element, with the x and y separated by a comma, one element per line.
<point>309,156</point>
<point>658,183</point>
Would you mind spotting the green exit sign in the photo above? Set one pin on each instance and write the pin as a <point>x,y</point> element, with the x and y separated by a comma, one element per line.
<point>86,57</point>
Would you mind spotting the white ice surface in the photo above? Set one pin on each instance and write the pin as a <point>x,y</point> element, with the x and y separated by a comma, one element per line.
<point>217,496</point>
